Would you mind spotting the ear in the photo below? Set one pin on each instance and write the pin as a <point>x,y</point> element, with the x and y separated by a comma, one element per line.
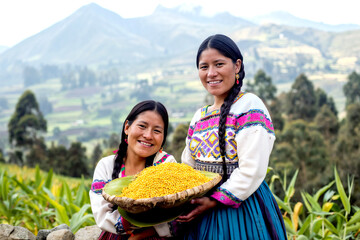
<point>237,65</point>
<point>126,127</point>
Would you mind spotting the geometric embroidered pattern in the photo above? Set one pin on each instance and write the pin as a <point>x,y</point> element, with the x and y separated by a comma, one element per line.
<point>226,197</point>
<point>203,135</point>
<point>98,185</point>
<point>162,159</point>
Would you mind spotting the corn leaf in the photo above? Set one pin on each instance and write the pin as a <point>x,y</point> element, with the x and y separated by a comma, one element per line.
<point>4,186</point>
<point>282,204</point>
<point>291,188</point>
<point>37,175</point>
<point>317,225</point>
<point>302,237</point>
<point>23,186</point>
<point>48,181</point>
<point>289,226</point>
<point>354,219</point>
<point>353,228</point>
<point>79,218</point>
<point>322,190</point>
<point>344,199</point>
<point>314,204</point>
<point>61,214</point>
<point>305,225</point>
<point>67,192</point>
<point>330,226</point>
<point>308,206</point>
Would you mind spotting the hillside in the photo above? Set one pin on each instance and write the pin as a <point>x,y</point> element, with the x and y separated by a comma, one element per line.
<point>154,56</point>
<point>169,38</point>
<point>284,18</point>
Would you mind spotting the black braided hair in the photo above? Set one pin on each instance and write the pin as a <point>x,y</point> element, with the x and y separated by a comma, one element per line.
<point>148,105</point>
<point>227,47</point>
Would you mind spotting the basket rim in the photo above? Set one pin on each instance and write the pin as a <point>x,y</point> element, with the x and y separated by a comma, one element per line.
<point>171,198</point>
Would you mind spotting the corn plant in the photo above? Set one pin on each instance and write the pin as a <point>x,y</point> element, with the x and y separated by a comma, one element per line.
<point>40,203</point>
<point>331,217</point>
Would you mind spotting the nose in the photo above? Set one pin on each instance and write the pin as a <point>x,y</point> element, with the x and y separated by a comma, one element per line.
<point>212,72</point>
<point>148,133</point>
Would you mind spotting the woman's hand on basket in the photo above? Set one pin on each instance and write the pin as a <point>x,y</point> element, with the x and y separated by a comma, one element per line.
<point>204,204</point>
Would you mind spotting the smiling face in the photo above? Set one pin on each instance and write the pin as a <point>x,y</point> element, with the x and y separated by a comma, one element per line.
<point>217,73</point>
<point>145,135</point>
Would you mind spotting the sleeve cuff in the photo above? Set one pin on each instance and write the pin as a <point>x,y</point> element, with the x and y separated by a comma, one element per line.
<point>225,197</point>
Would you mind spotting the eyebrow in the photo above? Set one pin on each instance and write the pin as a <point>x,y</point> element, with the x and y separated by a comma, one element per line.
<point>217,60</point>
<point>157,126</point>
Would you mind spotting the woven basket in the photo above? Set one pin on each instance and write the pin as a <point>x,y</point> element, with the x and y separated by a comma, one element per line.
<point>114,188</point>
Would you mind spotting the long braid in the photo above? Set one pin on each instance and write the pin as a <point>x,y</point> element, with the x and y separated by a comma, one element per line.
<point>224,111</point>
<point>229,49</point>
<point>119,159</point>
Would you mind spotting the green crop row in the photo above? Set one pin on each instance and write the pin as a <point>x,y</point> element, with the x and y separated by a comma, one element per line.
<point>44,201</point>
<point>327,214</point>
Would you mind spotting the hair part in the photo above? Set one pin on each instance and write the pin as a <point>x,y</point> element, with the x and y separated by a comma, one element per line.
<point>227,47</point>
<point>148,105</point>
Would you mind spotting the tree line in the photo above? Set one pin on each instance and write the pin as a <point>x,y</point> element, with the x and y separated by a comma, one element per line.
<point>309,135</point>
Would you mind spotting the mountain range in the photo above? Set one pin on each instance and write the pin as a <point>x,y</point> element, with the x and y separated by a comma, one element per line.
<point>97,37</point>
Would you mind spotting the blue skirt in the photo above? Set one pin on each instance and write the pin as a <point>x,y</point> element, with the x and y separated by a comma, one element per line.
<point>258,217</point>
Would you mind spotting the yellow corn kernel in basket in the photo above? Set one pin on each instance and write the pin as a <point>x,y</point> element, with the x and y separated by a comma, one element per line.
<point>164,179</point>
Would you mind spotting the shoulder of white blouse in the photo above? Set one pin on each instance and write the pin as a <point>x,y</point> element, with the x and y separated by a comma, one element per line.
<point>247,102</point>
<point>196,116</point>
<point>160,155</point>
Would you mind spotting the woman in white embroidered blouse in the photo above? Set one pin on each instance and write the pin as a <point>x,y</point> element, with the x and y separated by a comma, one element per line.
<point>233,137</point>
<point>143,135</point>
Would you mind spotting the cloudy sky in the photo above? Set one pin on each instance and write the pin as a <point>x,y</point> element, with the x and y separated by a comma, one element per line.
<point>20,19</point>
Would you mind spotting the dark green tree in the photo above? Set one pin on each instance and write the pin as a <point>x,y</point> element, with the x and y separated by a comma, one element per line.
<point>301,100</point>
<point>276,111</point>
<point>26,123</point>
<point>2,159</point>
<point>57,159</point>
<point>37,154</point>
<point>262,86</point>
<point>352,89</point>
<point>347,148</point>
<point>96,155</point>
<point>178,141</point>
<point>323,99</point>
<point>77,161</point>
<point>327,123</point>
<point>301,146</point>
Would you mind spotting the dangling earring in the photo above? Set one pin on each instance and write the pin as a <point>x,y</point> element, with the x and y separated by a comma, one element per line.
<point>160,150</point>
<point>237,78</point>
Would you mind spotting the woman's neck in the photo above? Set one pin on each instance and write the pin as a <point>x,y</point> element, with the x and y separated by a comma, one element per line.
<point>217,104</point>
<point>134,165</point>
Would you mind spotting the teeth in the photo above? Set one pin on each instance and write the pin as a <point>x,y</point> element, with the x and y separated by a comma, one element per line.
<point>214,82</point>
<point>146,144</point>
